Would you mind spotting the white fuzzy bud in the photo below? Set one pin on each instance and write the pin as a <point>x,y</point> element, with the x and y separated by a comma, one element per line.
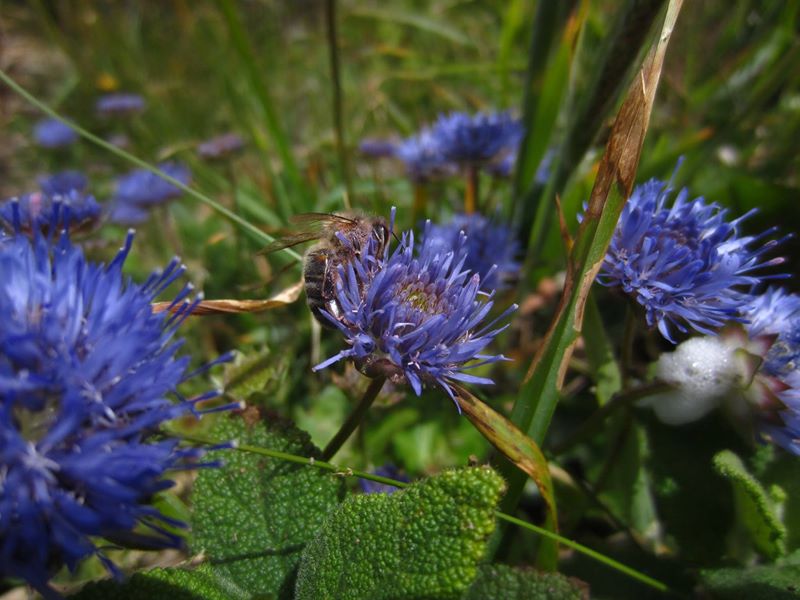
<point>703,370</point>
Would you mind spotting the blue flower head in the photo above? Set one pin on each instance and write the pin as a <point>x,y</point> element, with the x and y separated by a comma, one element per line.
<point>491,247</point>
<point>221,146</point>
<point>774,316</point>
<point>140,189</point>
<point>422,156</point>
<point>43,212</point>
<point>477,139</point>
<point>416,316</point>
<point>685,263</point>
<point>52,133</point>
<point>119,104</point>
<point>87,372</point>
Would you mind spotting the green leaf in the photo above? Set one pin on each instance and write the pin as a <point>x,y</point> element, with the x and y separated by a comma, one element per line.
<point>627,490</point>
<point>756,510</point>
<point>780,581</point>
<point>249,375</point>
<point>784,471</point>
<point>421,542</point>
<point>253,517</point>
<point>600,354</point>
<point>501,582</point>
<point>176,584</point>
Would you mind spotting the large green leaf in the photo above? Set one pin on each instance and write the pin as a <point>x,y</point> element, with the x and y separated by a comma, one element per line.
<point>756,509</point>
<point>501,582</point>
<point>421,542</point>
<point>175,584</point>
<point>780,581</point>
<point>253,517</point>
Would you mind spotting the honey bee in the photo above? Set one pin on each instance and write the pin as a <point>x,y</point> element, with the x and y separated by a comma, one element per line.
<point>342,239</point>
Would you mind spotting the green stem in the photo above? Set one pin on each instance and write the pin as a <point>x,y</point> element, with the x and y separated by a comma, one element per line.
<point>626,352</point>
<point>419,207</point>
<point>333,52</point>
<point>115,150</point>
<point>606,560</point>
<point>471,193</point>
<point>353,420</point>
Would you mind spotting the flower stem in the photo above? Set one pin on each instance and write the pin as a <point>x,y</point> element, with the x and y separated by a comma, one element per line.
<point>471,194</point>
<point>353,420</point>
<point>420,202</point>
<point>626,352</point>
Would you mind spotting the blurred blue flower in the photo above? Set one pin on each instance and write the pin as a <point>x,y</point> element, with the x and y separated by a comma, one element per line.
<point>685,264</point>
<point>52,133</point>
<point>374,487</point>
<point>63,182</point>
<point>86,375</point>
<point>422,157</point>
<point>504,167</point>
<point>140,189</point>
<point>44,212</point>
<point>377,148</point>
<point>414,316</point>
<point>221,146</point>
<point>491,247</point>
<point>477,139</point>
<point>119,104</point>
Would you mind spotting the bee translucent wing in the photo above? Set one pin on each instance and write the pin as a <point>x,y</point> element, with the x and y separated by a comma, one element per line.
<point>289,241</point>
<point>314,218</point>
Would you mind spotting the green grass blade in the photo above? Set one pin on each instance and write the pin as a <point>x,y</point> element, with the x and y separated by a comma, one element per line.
<point>336,100</point>
<point>587,109</point>
<point>244,49</point>
<point>414,20</point>
<point>548,24</point>
<point>539,393</point>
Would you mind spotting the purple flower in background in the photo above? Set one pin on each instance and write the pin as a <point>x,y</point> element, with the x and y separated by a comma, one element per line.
<point>119,104</point>
<point>52,133</point>
<point>685,264</point>
<point>491,247</point>
<point>415,316</point>
<point>477,139</point>
<point>88,374</point>
<point>141,189</point>
<point>63,182</point>
<point>377,148</point>
<point>504,167</point>
<point>375,487</point>
<point>221,146</point>
<point>423,157</point>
